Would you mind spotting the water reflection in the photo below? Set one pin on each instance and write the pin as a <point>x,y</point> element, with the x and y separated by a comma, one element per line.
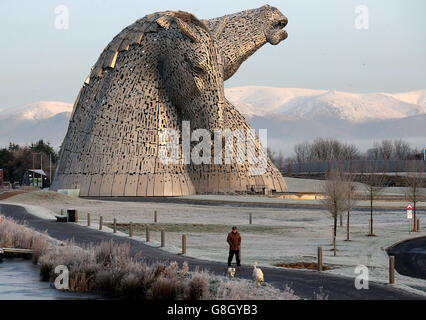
<point>20,280</point>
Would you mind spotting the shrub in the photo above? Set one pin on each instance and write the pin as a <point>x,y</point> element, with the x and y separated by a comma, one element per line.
<point>165,289</point>
<point>135,284</point>
<point>198,286</point>
<point>107,252</point>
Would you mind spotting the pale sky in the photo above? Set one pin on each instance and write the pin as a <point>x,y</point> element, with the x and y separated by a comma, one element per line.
<point>324,49</point>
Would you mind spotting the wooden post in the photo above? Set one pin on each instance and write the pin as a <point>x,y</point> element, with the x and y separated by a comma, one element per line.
<point>418,225</point>
<point>184,244</point>
<point>391,269</point>
<point>163,238</point>
<point>155,216</point>
<point>320,259</point>
<point>115,226</point>
<point>76,216</point>
<point>147,233</point>
<point>131,229</point>
<point>250,218</point>
<point>341,220</point>
<point>62,212</point>
<point>100,222</point>
<point>88,219</point>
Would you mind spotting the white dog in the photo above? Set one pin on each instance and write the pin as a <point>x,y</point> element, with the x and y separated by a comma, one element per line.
<point>231,272</point>
<point>257,275</point>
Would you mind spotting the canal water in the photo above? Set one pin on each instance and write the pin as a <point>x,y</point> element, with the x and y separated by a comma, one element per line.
<point>20,280</point>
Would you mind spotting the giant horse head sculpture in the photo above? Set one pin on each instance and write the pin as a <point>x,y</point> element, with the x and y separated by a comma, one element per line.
<point>163,69</point>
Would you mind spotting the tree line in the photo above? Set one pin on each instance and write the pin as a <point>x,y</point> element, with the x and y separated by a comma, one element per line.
<point>16,159</point>
<point>323,149</point>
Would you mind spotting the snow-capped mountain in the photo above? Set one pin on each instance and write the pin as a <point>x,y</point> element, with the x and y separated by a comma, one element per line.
<point>291,115</point>
<point>36,111</point>
<point>295,103</point>
<point>46,120</point>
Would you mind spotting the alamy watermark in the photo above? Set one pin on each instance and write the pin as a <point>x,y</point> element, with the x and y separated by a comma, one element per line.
<point>202,146</point>
<point>62,19</point>
<point>62,280</point>
<point>362,19</point>
<point>362,278</point>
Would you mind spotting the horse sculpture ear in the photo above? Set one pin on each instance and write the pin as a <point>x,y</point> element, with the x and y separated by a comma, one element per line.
<point>183,20</point>
<point>187,30</point>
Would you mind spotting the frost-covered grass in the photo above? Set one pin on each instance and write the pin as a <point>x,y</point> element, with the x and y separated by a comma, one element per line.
<point>109,269</point>
<point>13,235</point>
<point>278,235</point>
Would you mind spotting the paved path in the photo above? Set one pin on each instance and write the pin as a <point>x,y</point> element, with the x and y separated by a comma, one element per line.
<point>410,257</point>
<point>304,283</point>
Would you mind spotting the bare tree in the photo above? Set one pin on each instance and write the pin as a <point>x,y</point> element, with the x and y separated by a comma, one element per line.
<point>325,150</point>
<point>385,149</point>
<point>374,184</point>
<point>350,199</point>
<point>402,149</point>
<point>415,183</point>
<point>334,198</point>
<point>302,151</point>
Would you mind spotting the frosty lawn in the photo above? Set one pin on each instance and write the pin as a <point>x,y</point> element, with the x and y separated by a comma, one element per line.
<point>278,235</point>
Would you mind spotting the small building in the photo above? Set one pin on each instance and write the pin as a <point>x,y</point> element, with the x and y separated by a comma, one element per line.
<point>35,178</point>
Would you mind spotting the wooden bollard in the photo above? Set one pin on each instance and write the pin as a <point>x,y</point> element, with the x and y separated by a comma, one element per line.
<point>391,269</point>
<point>250,218</point>
<point>147,233</point>
<point>131,229</point>
<point>101,219</point>
<point>320,259</point>
<point>88,219</point>
<point>62,212</point>
<point>76,216</point>
<point>418,225</point>
<point>115,226</point>
<point>163,238</point>
<point>184,244</point>
<point>155,216</point>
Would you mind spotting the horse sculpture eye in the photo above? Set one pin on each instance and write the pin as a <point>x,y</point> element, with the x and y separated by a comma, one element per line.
<point>199,70</point>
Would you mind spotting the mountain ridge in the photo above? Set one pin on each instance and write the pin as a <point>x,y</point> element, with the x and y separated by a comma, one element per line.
<point>306,103</point>
<point>291,115</point>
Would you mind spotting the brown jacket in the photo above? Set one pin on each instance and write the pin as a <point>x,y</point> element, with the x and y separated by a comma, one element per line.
<point>234,240</point>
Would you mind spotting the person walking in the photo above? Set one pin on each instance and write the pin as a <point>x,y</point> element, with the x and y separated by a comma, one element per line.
<point>234,241</point>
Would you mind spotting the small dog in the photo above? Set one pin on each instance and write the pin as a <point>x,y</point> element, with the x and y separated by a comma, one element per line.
<point>257,275</point>
<point>231,272</point>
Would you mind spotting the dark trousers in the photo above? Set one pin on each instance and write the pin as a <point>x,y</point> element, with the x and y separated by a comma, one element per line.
<point>231,256</point>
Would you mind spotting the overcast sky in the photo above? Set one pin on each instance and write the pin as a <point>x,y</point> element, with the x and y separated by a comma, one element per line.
<point>324,50</point>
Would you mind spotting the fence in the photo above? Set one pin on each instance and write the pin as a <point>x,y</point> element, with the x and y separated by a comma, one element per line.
<point>356,166</point>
